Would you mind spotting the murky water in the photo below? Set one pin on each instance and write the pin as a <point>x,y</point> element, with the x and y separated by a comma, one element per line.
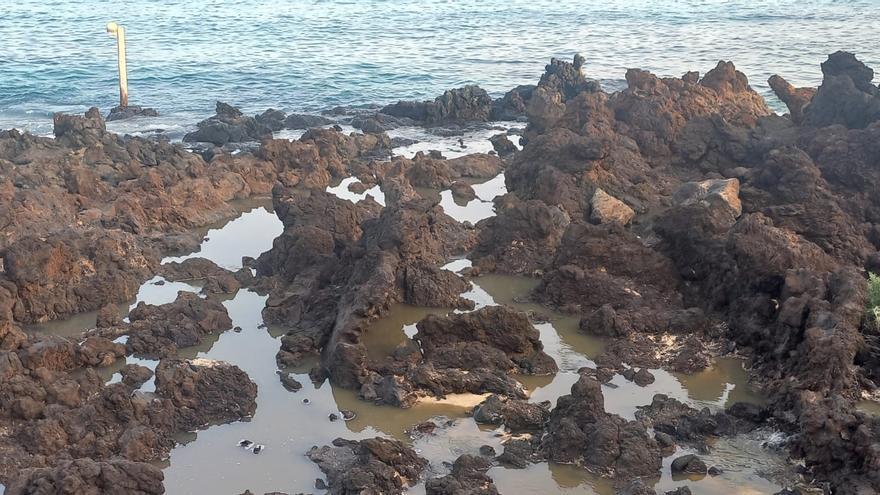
<point>209,461</point>
<point>869,406</point>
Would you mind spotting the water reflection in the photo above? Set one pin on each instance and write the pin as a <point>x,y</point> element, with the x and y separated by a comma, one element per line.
<point>341,191</point>
<point>252,232</point>
<point>210,461</point>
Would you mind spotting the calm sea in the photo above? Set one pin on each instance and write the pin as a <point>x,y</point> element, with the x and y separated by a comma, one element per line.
<point>307,55</point>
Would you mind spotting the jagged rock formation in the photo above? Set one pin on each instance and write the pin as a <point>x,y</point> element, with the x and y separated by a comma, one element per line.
<point>374,465</point>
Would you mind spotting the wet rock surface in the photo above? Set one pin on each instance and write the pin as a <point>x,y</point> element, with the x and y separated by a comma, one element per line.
<point>229,125</point>
<point>122,113</point>
<point>465,104</point>
<point>516,415</point>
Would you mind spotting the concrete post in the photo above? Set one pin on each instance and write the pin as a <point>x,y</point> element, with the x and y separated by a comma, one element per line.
<point>118,32</point>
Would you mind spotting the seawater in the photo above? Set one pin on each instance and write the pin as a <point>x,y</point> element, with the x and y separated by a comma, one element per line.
<point>309,55</point>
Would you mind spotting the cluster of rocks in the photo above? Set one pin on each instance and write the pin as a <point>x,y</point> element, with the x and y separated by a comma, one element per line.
<point>679,214</point>
<point>65,428</point>
<point>577,430</point>
<point>87,215</point>
<point>681,218</point>
<point>87,218</point>
<point>678,217</point>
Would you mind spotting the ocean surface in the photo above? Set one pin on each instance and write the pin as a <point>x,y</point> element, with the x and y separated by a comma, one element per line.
<point>308,55</point>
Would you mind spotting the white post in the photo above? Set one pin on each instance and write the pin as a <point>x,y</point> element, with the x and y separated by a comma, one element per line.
<point>119,33</point>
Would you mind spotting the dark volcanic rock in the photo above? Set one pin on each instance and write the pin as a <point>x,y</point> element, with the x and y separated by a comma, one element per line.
<point>99,351</point>
<point>303,121</point>
<point>271,118</point>
<point>512,106</point>
<point>519,453</point>
<point>375,465</point>
<point>432,287</point>
<point>516,415</point>
<point>462,191</point>
<point>688,464</point>
<point>120,113</point>
<point>503,145</point>
<point>494,337</point>
<point>134,375</point>
<point>205,391</point>
<point>214,278</point>
<point>473,352</point>
<point>567,78</point>
<point>468,477</point>
<point>87,477</point>
<point>466,104</point>
<point>229,125</point>
<point>343,265</point>
<point>846,95</point>
<point>796,99</point>
<point>581,431</point>
<point>519,239</point>
<point>72,272</point>
<point>79,131</point>
<point>159,331</point>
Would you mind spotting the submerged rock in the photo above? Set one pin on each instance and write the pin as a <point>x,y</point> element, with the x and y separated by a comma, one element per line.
<point>688,464</point>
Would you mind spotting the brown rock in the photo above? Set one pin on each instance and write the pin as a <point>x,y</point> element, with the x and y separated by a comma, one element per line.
<point>605,208</point>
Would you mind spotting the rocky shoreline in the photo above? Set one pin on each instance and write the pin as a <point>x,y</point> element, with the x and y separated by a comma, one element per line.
<point>678,219</point>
